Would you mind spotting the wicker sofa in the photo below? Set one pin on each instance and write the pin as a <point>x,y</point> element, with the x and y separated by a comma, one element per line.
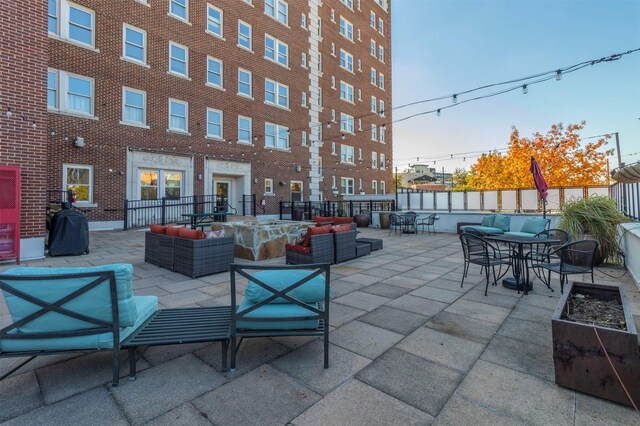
<point>320,251</point>
<point>344,245</point>
<point>189,257</point>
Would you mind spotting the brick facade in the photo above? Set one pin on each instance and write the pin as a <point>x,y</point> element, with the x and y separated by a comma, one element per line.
<point>23,140</point>
<point>113,149</point>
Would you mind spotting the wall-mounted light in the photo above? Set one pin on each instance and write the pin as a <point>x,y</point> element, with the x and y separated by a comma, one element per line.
<point>298,168</point>
<point>52,132</point>
<point>199,176</point>
<point>79,142</point>
<point>255,181</point>
<point>281,183</point>
<point>33,124</point>
<point>9,112</point>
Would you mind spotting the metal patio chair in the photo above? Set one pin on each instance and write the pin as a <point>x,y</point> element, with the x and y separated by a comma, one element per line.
<point>428,222</point>
<point>481,252</point>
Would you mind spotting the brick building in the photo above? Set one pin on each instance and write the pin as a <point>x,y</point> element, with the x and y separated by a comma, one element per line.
<point>153,98</point>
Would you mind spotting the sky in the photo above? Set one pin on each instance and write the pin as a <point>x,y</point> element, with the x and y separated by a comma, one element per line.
<point>442,47</point>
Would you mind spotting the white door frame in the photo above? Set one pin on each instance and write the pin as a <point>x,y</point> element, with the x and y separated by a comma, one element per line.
<point>230,183</point>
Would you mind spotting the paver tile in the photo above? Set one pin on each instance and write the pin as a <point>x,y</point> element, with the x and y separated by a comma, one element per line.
<point>364,339</point>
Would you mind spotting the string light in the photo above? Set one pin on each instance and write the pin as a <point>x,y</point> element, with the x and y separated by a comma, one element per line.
<point>439,113</point>
<point>455,99</point>
<point>559,75</point>
<point>525,90</point>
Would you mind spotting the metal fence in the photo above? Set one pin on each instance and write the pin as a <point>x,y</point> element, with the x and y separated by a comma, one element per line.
<point>627,196</point>
<point>140,213</point>
<point>509,200</point>
<point>307,210</point>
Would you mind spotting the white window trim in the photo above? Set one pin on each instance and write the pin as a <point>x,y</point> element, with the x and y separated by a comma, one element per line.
<point>347,24</point>
<point>373,52</point>
<point>349,189</point>
<point>275,12</point>
<point>221,63</point>
<point>249,142</point>
<point>346,118</point>
<point>347,87</point>
<point>180,18</point>
<point>348,150</point>
<point>381,82</point>
<point>276,44</point>
<point>268,183</point>
<point>66,166</point>
<point>144,46</point>
<point>374,160</point>
<point>210,136</point>
<point>382,161</point>
<point>62,82</point>
<point>347,56</point>
<point>373,73</point>
<point>186,122</point>
<point>62,33</point>
<point>250,49</point>
<point>125,122</point>
<point>277,86</point>
<point>221,35</point>
<point>186,57</point>
<point>278,130</point>
<point>250,95</point>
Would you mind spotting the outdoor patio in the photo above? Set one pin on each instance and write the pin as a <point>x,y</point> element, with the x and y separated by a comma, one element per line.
<point>408,346</point>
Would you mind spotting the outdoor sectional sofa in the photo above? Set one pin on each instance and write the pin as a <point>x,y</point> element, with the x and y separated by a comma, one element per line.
<point>497,224</point>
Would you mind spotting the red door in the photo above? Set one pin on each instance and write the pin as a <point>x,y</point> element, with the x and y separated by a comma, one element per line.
<point>10,212</point>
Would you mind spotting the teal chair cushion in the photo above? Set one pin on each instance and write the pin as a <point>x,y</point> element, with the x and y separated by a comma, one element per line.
<point>144,305</point>
<point>503,222</point>
<point>95,303</point>
<point>534,225</point>
<point>277,310</point>
<point>520,234</point>
<point>488,220</point>
<point>485,230</point>
<point>310,292</point>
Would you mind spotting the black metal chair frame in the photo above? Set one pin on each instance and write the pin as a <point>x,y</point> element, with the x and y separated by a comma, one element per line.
<point>543,251</point>
<point>564,254</point>
<point>322,315</point>
<point>57,306</point>
<point>396,222</point>
<point>429,222</point>
<point>487,256</point>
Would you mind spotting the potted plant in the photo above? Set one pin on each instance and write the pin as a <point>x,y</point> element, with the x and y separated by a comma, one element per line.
<point>595,217</point>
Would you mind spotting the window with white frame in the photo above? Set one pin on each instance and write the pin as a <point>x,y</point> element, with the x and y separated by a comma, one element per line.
<point>214,20</point>
<point>134,44</point>
<point>278,10</point>
<point>382,133</point>
<point>374,103</point>
<point>360,95</point>
<point>360,124</point>
<point>333,82</point>
<point>276,51</point>
<point>79,179</point>
<point>303,99</point>
<point>383,187</point>
<point>320,63</point>
<point>359,64</point>
<point>374,132</point>
<point>214,72</point>
<point>383,162</point>
<point>72,22</point>
<point>276,93</point>
<point>374,160</point>
<point>178,116</point>
<point>333,182</point>
<point>244,35</point>
<point>359,184</point>
<point>372,48</point>
<point>71,93</point>
<point>346,92</point>
<point>244,83</point>
<point>346,154</point>
<point>276,136</point>
<point>319,27</point>
<point>333,15</point>
<point>346,60</point>
<point>333,149</point>
<point>333,49</point>
<point>178,59</point>
<point>372,19</point>
<point>346,185</point>
<point>381,26</point>
<point>381,81</point>
<point>214,123</point>
<point>381,108</point>
<point>348,3</point>
<point>268,186</point>
<point>244,129</point>
<point>346,123</point>
<point>373,76</point>
<point>381,53</point>
<point>156,184</point>
<point>304,59</point>
<point>374,186</point>
<point>134,106</point>
<point>179,9</point>
<point>303,138</point>
<point>359,35</point>
<point>359,154</point>
<point>303,20</point>
<point>346,28</point>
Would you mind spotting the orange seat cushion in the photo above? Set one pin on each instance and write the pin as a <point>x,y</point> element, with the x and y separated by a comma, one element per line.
<point>322,219</point>
<point>299,248</point>
<point>342,220</point>
<point>191,234</point>
<point>158,229</point>
<point>173,230</point>
<point>315,230</point>
<point>341,228</point>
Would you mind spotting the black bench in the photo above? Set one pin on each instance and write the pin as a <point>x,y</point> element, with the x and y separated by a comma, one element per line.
<point>362,249</point>
<point>178,326</point>
<point>375,243</point>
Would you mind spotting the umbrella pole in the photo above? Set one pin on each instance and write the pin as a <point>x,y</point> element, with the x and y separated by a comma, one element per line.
<point>544,208</point>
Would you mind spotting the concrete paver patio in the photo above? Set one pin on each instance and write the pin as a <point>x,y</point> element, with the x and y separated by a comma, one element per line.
<point>407,346</point>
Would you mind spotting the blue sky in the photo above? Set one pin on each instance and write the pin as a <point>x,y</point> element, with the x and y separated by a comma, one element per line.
<point>441,47</point>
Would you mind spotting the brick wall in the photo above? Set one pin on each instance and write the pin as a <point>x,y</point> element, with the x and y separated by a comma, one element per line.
<point>23,89</point>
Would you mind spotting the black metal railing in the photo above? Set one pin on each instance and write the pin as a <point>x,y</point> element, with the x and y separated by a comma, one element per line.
<point>250,206</point>
<point>627,196</point>
<point>140,213</point>
<point>307,210</point>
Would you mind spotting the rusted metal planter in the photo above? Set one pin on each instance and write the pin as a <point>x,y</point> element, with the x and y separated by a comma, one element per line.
<point>579,361</point>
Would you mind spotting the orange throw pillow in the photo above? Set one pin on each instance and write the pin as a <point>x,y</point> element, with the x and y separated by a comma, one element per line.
<point>342,220</point>
<point>191,234</point>
<point>158,229</point>
<point>321,219</point>
<point>341,228</point>
<point>315,230</point>
<point>173,231</point>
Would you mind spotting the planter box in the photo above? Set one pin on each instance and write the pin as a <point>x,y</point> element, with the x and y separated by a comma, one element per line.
<point>579,361</point>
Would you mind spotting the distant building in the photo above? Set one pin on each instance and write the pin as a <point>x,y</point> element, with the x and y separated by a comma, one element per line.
<point>422,176</point>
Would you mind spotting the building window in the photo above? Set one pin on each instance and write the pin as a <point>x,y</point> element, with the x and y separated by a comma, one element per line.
<point>374,132</point>
<point>359,64</point>
<point>303,20</point>
<point>382,133</point>
<point>372,19</point>
<point>360,95</point>
<point>320,28</point>
<point>278,10</point>
<point>346,154</point>
<point>346,28</point>
<point>333,148</point>
<point>374,104</point>
<point>244,35</point>
<point>214,20</point>
<point>179,9</point>
<point>348,3</point>
<point>333,115</point>
<point>346,185</point>
<point>134,44</point>
<point>383,162</point>
<point>276,93</point>
<point>381,26</point>
<point>381,81</point>
<point>134,106</point>
<point>214,72</point>
<point>276,136</point>
<point>381,53</point>
<point>359,35</point>
<point>303,138</point>
<point>346,60</point>
<point>383,187</point>
<point>244,83</point>
<point>79,179</point>
<point>304,60</point>
<point>360,124</point>
<point>304,99</point>
<point>333,15</point>
<point>333,182</point>
<point>346,123</point>
<point>53,16</point>
<point>214,123</point>
<point>320,63</point>
<point>276,51</point>
<point>244,129</point>
<point>268,186</point>
<point>156,184</point>
<point>372,48</point>
<point>374,186</point>
<point>381,108</point>
<point>374,160</point>
<point>333,82</point>
<point>178,115</point>
<point>71,22</point>
<point>346,92</point>
<point>360,154</point>
<point>333,49</point>
<point>70,92</point>
<point>360,185</point>
<point>373,76</point>
<point>178,59</point>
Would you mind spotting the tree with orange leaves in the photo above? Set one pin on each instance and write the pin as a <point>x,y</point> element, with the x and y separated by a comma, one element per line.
<point>563,159</point>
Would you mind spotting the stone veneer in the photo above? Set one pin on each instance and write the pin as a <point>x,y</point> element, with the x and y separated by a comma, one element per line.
<point>263,239</point>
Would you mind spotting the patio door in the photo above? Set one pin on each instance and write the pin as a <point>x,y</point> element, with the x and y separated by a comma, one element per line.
<point>296,190</point>
<point>223,189</point>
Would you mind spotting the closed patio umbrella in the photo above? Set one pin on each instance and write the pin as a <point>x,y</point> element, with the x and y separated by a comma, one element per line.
<point>541,184</point>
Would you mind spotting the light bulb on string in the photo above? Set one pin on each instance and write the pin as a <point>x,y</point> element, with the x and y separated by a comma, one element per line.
<point>455,99</point>
<point>525,90</point>
<point>438,113</point>
<point>559,75</point>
